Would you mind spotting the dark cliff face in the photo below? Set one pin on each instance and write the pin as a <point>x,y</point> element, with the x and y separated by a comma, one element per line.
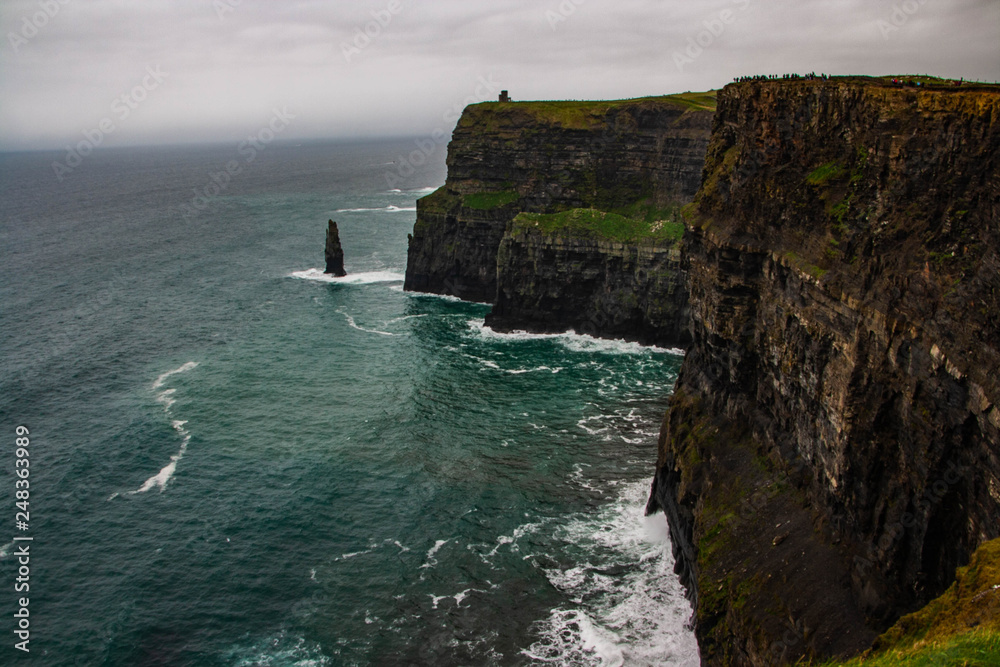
<point>547,157</point>
<point>549,283</point>
<point>844,273</point>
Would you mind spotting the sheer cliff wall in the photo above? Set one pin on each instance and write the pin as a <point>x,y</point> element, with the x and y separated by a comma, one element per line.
<point>549,157</point>
<point>831,454</point>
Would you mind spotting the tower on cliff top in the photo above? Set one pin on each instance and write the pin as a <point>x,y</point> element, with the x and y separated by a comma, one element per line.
<point>504,97</point>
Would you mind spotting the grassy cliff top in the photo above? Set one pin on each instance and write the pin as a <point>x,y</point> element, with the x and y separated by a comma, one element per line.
<point>583,114</point>
<point>593,224</point>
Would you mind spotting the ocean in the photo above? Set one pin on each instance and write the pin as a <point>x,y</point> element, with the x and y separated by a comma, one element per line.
<point>236,460</point>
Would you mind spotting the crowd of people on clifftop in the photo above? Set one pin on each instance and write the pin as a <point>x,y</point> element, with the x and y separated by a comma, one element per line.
<point>812,76</point>
<point>775,77</point>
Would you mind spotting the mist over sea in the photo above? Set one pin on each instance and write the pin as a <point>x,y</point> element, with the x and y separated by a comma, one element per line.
<point>236,460</point>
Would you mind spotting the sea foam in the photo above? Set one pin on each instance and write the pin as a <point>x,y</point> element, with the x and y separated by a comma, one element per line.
<point>572,341</point>
<point>165,398</point>
<point>636,616</point>
<point>368,278</point>
<point>383,209</point>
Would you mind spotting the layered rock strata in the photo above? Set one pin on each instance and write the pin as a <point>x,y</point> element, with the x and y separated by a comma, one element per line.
<point>547,157</point>
<point>832,452</point>
<point>550,282</point>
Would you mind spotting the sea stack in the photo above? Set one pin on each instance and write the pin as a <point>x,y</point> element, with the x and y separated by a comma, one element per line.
<point>334,251</point>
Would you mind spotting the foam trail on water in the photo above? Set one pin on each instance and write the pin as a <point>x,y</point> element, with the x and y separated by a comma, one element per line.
<point>165,398</point>
<point>354,325</point>
<point>161,478</point>
<point>384,209</point>
<point>369,278</point>
<point>572,341</point>
<point>189,366</point>
<point>432,552</point>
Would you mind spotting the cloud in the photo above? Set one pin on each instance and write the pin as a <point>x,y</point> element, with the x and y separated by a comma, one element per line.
<point>392,67</point>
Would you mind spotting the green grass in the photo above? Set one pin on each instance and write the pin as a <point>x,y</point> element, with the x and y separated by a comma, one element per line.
<point>980,648</point>
<point>485,201</point>
<point>591,223</point>
<point>589,114</point>
<point>961,627</point>
<point>825,173</point>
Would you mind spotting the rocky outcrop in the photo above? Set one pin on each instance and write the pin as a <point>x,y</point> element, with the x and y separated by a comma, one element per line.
<point>334,251</point>
<point>553,281</point>
<point>548,157</point>
<point>832,452</point>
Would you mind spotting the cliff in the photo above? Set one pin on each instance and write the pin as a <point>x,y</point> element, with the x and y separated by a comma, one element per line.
<point>593,272</point>
<point>832,452</point>
<point>550,157</point>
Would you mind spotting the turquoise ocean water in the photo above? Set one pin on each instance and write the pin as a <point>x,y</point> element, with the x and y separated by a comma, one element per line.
<point>238,461</point>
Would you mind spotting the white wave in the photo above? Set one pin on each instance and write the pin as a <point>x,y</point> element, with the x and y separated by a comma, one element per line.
<point>416,191</point>
<point>457,597</point>
<point>354,325</point>
<point>354,554</point>
<point>368,278</point>
<point>636,616</point>
<point>372,547</point>
<point>165,398</point>
<point>517,371</point>
<point>539,369</point>
<point>406,317</point>
<point>432,553</point>
<point>191,365</point>
<point>383,209</point>
<point>572,341</point>
<point>161,478</point>
<point>5,550</point>
<point>444,297</point>
<point>277,651</point>
<point>582,423</point>
<point>507,540</point>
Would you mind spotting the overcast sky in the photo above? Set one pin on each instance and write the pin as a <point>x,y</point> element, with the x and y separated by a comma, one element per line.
<point>215,70</point>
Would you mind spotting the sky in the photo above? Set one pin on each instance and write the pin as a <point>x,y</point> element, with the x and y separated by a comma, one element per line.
<point>192,71</point>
